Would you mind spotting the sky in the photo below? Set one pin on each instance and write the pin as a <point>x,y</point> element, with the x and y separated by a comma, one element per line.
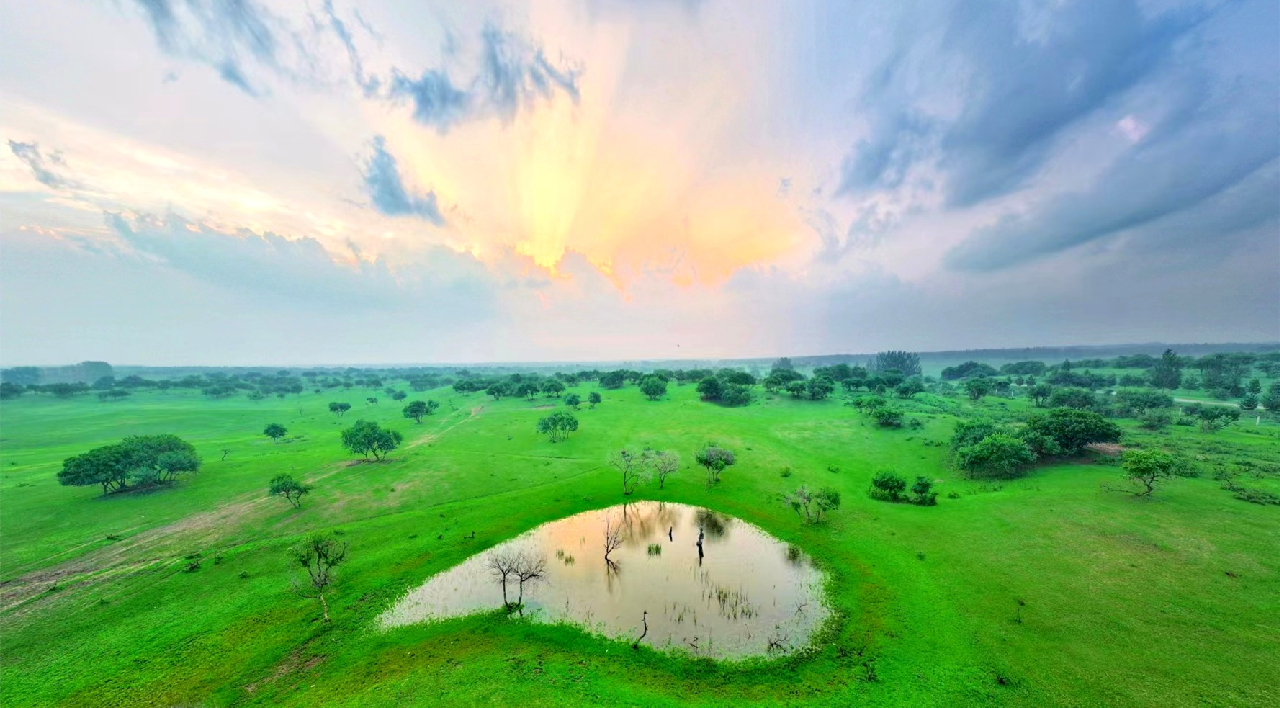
<point>245,182</point>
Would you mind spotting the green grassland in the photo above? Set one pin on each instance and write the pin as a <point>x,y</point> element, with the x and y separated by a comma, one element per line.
<point>1172,600</point>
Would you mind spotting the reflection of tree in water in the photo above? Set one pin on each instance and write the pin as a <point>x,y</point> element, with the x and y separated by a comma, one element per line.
<point>667,517</point>
<point>793,555</point>
<point>715,525</point>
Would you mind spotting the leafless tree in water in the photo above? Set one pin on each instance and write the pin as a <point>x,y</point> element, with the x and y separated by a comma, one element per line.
<point>520,564</point>
<point>612,537</point>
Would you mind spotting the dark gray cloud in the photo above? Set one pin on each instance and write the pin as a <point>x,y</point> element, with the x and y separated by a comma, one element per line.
<point>1210,136</point>
<point>50,169</point>
<point>1173,174</point>
<point>1024,80</point>
<point>386,188</point>
<point>514,74</point>
<point>1026,92</point>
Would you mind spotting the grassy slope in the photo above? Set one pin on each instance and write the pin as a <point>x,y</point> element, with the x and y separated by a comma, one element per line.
<point>1126,601</point>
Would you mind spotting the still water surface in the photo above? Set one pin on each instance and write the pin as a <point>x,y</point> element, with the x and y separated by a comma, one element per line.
<point>739,593</point>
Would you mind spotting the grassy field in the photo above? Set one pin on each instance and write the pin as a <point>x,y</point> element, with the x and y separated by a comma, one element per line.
<point>1167,601</point>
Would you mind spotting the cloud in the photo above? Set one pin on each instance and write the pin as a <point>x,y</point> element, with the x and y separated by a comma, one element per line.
<point>514,75</point>
<point>993,116</point>
<point>231,36</point>
<point>49,169</point>
<point>303,272</point>
<point>369,84</point>
<point>385,187</point>
<point>1182,165</point>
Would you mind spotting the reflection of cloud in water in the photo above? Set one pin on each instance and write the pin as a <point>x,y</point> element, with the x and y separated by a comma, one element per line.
<point>749,595</point>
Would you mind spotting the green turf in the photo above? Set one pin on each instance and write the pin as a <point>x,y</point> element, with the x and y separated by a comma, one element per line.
<point>1170,601</point>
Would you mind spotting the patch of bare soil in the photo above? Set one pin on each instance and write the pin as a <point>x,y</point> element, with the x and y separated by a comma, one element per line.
<point>1108,449</point>
<point>292,664</point>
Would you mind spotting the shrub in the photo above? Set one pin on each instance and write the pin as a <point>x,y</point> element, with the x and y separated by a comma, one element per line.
<point>923,492</point>
<point>887,486</point>
<point>812,505</point>
<point>887,417</point>
<point>997,456</point>
<point>1072,429</point>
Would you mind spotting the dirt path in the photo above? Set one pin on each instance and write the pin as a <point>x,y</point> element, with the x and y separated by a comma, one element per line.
<point>1207,403</point>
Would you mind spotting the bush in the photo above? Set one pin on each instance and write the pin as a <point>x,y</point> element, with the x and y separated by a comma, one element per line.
<point>1072,429</point>
<point>997,456</point>
<point>923,492</point>
<point>887,417</point>
<point>887,486</point>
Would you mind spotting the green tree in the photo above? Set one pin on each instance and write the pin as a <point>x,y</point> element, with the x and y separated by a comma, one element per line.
<point>339,408</point>
<point>291,489</point>
<point>1167,371</point>
<point>318,554</point>
<point>558,425</point>
<point>1039,394</point>
<point>553,388</point>
<point>905,362</point>
<point>1148,468</point>
<point>714,459</point>
<point>368,438</point>
<point>653,387</point>
<point>1072,397</point>
<point>812,505</point>
<point>594,398</point>
<point>819,387</point>
<point>977,387</point>
<point>573,400</point>
<point>275,431</point>
<point>1271,401</point>
<point>142,460</point>
<point>710,389</point>
<point>418,409</point>
<point>1072,429</point>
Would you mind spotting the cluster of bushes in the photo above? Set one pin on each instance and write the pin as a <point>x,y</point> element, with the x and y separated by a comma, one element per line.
<point>730,390</point>
<point>885,415</point>
<point>1210,417</point>
<point>985,450</point>
<point>887,486</point>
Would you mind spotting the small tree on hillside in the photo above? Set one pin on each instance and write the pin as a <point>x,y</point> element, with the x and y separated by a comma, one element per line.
<point>653,387</point>
<point>319,554</point>
<point>594,398</point>
<point>978,387</point>
<point>714,460</point>
<point>291,489</point>
<point>368,438</point>
<point>558,425</point>
<point>573,401</point>
<point>339,408</point>
<point>418,409</point>
<point>275,431</point>
<point>1148,469</point>
<point>812,505</point>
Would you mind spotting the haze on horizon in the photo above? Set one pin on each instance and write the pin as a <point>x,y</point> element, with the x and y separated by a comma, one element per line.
<point>238,183</point>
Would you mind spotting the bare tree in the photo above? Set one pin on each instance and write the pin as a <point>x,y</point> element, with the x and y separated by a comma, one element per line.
<point>633,466</point>
<point>319,554</point>
<point>665,463</point>
<point>529,568</point>
<point>503,566</point>
<point>522,565</point>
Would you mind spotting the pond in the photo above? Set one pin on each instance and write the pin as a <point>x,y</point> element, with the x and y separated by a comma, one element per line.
<point>683,578</point>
